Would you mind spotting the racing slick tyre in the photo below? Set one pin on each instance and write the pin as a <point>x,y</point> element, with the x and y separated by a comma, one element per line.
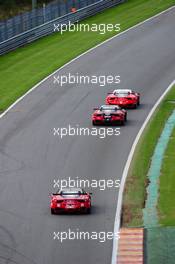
<point>122,122</point>
<point>88,211</point>
<point>138,103</point>
<point>125,117</point>
<point>135,106</point>
<point>94,123</point>
<point>52,211</point>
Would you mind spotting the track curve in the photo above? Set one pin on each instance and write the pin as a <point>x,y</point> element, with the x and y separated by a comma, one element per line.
<point>31,157</point>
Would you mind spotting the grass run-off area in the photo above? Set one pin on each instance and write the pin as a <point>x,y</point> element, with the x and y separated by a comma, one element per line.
<point>25,67</point>
<point>135,188</point>
<point>166,203</point>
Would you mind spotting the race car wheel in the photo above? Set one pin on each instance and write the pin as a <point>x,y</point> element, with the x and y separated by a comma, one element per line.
<point>52,211</point>
<point>93,123</point>
<point>135,106</point>
<point>88,211</point>
<point>138,103</point>
<point>123,122</point>
<point>125,117</point>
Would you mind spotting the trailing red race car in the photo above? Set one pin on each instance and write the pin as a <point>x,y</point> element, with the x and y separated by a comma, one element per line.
<point>109,114</point>
<point>125,98</point>
<point>70,200</point>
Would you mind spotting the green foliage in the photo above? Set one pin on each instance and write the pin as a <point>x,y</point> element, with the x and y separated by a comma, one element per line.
<point>10,8</point>
<point>8,3</point>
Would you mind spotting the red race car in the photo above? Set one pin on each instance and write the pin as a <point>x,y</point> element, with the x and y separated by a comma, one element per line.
<point>109,114</point>
<point>70,200</point>
<point>124,98</point>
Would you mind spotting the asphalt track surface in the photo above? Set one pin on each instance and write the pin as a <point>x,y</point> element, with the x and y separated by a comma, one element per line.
<point>31,157</point>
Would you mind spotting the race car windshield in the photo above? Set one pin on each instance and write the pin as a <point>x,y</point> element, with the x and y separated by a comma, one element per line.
<point>70,193</point>
<point>122,91</point>
<point>122,94</point>
<point>109,108</point>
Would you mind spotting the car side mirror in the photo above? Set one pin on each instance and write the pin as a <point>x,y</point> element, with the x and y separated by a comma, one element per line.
<point>90,193</point>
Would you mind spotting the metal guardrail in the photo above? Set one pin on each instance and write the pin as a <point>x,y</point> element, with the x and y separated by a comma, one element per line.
<point>48,28</point>
<point>38,16</point>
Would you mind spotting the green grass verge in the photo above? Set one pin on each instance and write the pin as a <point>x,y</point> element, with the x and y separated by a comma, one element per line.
<point>135,188</point>
<point>166,202</point>
<point>23,68</point>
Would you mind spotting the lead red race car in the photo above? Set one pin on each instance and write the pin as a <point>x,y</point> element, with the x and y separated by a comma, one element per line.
<point>70,200</point>
<point>109,114</point>
<point>123,97</point>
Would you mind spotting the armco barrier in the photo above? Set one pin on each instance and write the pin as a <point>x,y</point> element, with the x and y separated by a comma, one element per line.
<point>18,24</point>
<point>48,28</point>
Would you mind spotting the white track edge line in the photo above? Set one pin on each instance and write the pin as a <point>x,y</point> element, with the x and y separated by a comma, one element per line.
<point>125,173</point>
<point>84,53</point>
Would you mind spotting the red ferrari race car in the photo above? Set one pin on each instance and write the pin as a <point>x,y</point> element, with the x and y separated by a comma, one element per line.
<point>124,98</point>
<point>70,200</point>
<point>109,114</point>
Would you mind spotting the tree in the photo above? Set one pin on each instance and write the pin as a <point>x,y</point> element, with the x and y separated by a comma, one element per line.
<point>7,3</point>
